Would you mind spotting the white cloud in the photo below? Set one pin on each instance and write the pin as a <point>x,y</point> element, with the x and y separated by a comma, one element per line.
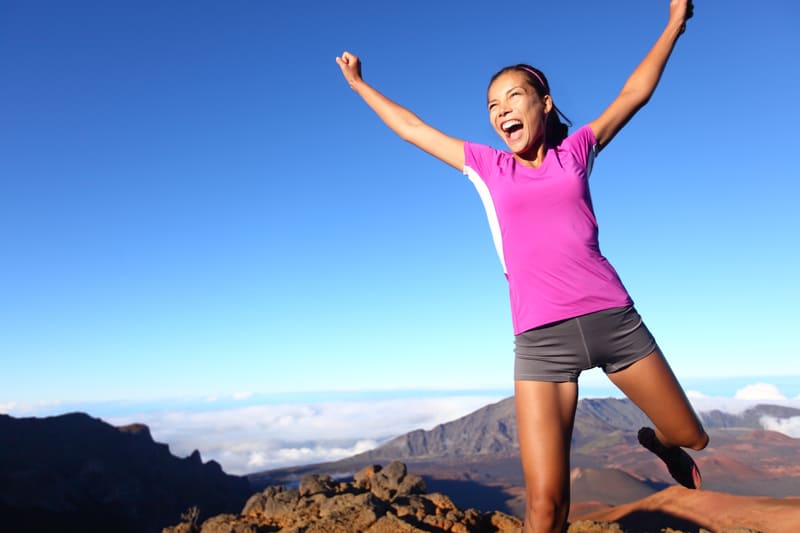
<point>787,426</point>
<point>759,391</point>
<point>242,395</point>
<point>750,396</point>
<point>262,437</point>
<point>265,459</point>
<point>744,398</point>
<point>30,409</point>
<point>704,404</point>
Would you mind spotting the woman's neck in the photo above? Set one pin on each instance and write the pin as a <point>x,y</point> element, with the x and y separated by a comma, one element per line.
<point>534,157</point>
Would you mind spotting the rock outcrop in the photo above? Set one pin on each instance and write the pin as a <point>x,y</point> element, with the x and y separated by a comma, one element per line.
<point>376,500</point>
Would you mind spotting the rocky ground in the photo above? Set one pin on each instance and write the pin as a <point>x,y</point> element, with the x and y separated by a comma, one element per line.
<point>377,500</point>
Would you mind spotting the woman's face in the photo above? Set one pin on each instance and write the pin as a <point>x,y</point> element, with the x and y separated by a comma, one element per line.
<point>517,113</point>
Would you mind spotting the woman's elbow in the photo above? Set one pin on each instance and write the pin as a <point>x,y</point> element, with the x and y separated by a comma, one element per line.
<point>635,99</point>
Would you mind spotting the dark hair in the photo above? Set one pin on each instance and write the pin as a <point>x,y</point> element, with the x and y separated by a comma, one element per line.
<point>555,130</point>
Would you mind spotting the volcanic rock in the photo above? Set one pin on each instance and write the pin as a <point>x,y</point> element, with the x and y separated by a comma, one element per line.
<point>377,500</point>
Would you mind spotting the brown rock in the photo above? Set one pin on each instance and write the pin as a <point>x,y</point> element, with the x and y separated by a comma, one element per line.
<point>272,502</point>
<point>589,526</point>
<point>385,483</point>
<point>411,484</point>
<point>227,523</point>
<point>392,524</point>
<point>316,484</point>
<point>439,522</point>
<point>363,478</point>
<point>415,505</point>
<point>441,501</point>
<point>503,522</point>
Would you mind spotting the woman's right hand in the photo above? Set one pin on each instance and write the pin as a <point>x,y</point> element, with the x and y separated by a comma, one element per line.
<point>681,10</point>
<point>400,120</point>
<point>351,68</point>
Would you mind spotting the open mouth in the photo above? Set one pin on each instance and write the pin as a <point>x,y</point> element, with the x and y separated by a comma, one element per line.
<point>509,127</point>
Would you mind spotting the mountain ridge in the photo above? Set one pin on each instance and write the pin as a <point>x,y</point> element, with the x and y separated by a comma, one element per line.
<point>491,430</point>
<point>73,472</point>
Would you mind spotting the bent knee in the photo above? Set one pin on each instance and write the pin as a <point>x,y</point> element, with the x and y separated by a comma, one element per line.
<point>546,513</point>
<point>700,442</point>
<point>695,439</point>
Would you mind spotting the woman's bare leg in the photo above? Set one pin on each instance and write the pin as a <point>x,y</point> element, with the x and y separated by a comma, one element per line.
<point>651,385</point>
<point>545,416</point>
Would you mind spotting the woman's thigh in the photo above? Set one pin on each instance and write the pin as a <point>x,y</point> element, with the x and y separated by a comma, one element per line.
<point>651,385</point>
<point>545,416</point>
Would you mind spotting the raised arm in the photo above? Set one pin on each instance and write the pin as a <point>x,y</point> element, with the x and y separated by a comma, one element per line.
<point>400,120</point>
<point>642,82</point>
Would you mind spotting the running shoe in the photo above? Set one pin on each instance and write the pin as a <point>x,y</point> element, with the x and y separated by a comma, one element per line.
<point>680,465</point>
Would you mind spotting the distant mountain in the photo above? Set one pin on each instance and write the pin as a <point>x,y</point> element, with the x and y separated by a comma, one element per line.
<point>475,459</point>
<point>751,418</point>
<point>77,473</point>
<point>492,430</point>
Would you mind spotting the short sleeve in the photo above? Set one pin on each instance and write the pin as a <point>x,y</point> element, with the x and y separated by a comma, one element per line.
<point>480,159</point>
<point>582,145</point>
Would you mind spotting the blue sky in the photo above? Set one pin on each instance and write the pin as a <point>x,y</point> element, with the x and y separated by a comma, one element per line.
<point>193,204</point>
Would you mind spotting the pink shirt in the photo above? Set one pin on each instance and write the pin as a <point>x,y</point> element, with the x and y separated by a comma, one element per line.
<point>545,231</point>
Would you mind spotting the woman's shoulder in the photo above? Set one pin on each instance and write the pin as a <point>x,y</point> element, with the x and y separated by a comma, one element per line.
<point>486,160</point>
<point>581,137</point>
<point>580,143</point>
<point>581,147</point>
<point>479,148</point>
<point>482,156</point>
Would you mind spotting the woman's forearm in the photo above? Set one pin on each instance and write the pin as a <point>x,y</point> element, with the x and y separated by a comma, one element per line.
<point>398,118</point>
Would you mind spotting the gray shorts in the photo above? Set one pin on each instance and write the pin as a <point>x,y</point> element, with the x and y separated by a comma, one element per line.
<point>611,339</point>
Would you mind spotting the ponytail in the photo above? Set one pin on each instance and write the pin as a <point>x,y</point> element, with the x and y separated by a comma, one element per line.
<point>555,130</point>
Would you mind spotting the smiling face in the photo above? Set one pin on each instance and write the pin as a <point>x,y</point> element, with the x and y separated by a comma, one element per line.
<point>518,115</point>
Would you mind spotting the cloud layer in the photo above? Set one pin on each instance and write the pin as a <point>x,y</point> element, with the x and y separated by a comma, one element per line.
<point>256,437</point>
<point>760,392</point>
<point>262,437</point>
<point>787,426</point>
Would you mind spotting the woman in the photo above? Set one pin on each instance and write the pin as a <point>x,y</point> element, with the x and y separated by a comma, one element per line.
<point>570,310</point>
